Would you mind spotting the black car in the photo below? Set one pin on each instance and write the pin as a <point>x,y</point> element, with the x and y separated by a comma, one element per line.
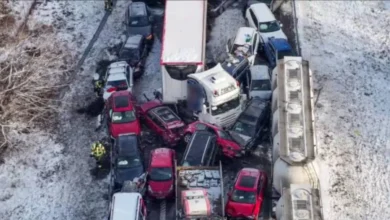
<point>201,150</point>
<point>134,51</point>
<point>139,21</point>
<point>126,160</point>
<point>251,122</point>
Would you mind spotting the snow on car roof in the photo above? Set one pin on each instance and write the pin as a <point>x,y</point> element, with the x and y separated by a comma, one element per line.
<point>242,34</point>
<point>259,72</point>
<point>125,205</point>
<point>133,41</point>
<point>262,12</point>
<point>116,76</point>
<point>184,26</point>
<point>137,9</point>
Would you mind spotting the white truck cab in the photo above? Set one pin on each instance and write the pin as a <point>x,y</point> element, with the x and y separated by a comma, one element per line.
<point>126,206</point>
<point>119,76</point>
<point>245,43</point>
<point>214,96</point>
<point>259,83</point>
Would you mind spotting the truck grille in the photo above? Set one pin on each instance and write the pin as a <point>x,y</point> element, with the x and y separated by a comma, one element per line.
<point>228,120</point>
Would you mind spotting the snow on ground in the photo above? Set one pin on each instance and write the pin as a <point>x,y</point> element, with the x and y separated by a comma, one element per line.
<point>74,21</point>
<point>49,176</point>
<point>224,27</point>
<point>347,44</point>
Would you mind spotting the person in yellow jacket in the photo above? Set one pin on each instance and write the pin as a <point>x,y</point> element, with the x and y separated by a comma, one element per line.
<point>108,4</point>
<point>98,151</point>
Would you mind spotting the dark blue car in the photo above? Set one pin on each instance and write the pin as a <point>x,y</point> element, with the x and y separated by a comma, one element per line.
<point>127,161</point>
<point>276,49</point>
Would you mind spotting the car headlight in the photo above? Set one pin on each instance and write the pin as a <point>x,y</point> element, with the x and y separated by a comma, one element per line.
<point>170,188</point>
<point>149,37</point>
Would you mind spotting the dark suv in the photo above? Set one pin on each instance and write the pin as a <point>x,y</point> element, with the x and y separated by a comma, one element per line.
<point>135,51</point>
<point>126,160</point>
<point>139,21</point>
<point>251,122</point>
<point>201,150</point>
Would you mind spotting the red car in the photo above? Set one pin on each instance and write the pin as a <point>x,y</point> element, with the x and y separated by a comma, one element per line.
<point>121,114</point>
<point>229,147</point>
<point>163,121</point>
<point>246,198</point>
<point>161,173</point>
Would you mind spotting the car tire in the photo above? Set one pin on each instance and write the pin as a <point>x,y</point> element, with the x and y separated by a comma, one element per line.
<point>187,138</point>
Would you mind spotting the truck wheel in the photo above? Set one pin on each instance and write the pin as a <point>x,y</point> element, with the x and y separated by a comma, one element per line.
<point>187,138</point>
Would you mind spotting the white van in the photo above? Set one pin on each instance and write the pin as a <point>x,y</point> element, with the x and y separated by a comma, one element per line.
<point>125,206</point>
<point>259,16</point>
<point>245,44</point>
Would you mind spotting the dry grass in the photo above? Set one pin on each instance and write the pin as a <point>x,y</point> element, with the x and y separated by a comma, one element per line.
<point>33,69</point>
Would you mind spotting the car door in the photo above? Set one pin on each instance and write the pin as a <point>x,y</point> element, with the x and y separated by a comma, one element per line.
<point>109,113</point>
<point>256,43</point>
<point>260,194</point>
<point>272,55</point>
<point>149,121</point>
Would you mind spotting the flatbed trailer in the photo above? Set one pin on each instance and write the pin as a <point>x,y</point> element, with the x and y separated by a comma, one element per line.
<point>199,193</point>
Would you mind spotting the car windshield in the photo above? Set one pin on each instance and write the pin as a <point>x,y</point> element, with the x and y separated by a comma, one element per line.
<point>283,53</point>
<point>160,174</point>
<point>261,85</point>
<point>123,117</point>
<point>271,26</point>
<point>129,53</point>
<point>247,129</point>
<point>224,135</point>
<point>119,84</point>
<point>232,104</point>
<point>128,162</point>
<point>244,196</point>
<point>139,21</point>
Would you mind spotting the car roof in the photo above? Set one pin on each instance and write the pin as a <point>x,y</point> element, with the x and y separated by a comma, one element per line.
<point>116,76</point>
<point>262,12</point>
<point>242,33</point>
<point>122,102</point>
<point>196,148</point>
<point>230,65</point>
<point>125,205</point>
<point>137,9</point>
<point>133,41</point>
<point>161,157</point>
<point>127,144</point>
<point>259,72</point>
<point>165,114</point>
<point>247,179</point>
<point>280,44</point>
<point>255,107</point>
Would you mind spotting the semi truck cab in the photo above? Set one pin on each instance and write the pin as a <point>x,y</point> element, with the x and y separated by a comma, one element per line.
<point>214,96</point>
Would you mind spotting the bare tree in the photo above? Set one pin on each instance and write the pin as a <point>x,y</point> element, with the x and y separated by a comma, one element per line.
<point>32,75</point>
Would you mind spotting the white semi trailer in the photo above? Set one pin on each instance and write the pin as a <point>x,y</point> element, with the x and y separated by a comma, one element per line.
<point>211,96</point>
<point>294,141</point>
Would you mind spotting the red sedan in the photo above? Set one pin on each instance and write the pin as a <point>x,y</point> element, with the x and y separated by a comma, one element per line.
<point>163,121</point>
<point>161,173</point>
<point>229,147</point>
<point>246,198</point>
<point>121,115</point>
